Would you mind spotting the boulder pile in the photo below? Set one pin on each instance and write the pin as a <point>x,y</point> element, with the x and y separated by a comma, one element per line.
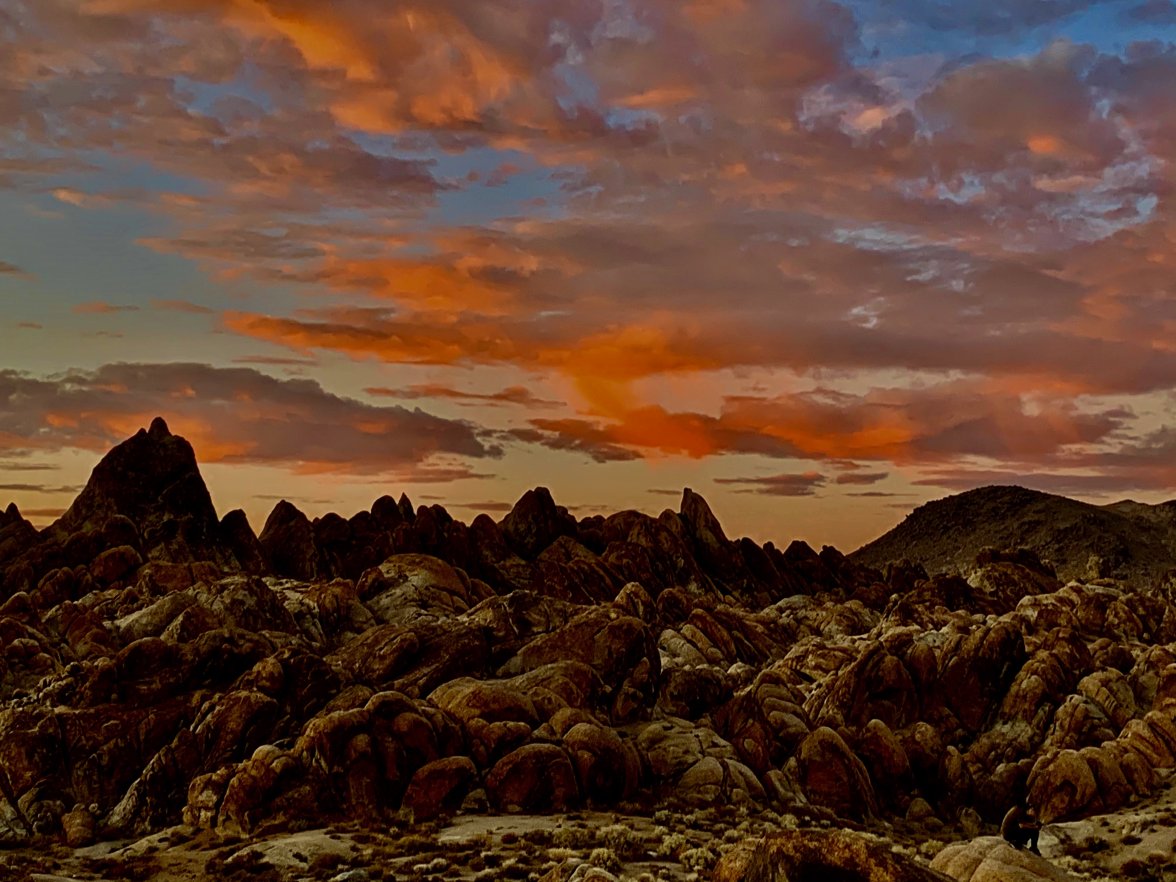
<point>158,665</point>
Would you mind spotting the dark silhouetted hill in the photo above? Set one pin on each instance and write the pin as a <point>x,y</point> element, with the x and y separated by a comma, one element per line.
<point>1124,540</point>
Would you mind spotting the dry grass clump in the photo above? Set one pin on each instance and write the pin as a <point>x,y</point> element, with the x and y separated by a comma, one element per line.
<point>1141,871</point>
<point>672,845</point>
<point>572,837</point>
<point>432,868</point>
<point>539,837</point>
<point>137,868</point>
<point>412,844</point>
<point>627,844</point>
<point>700,860</point>
<point>1088,845</point>
<point>513,869</point>
<point>605,858</point>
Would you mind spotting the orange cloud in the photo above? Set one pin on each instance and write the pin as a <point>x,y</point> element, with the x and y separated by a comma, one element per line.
<point>432,286</point>
<point>943,423</point>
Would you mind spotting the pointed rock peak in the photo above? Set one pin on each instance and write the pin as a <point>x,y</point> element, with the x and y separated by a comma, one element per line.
<point>237,534</point>
<point>153,480</point>
<point>406,510</point>
<point>535,522</point>
<point>145,477</point>
<point>11,515</point>
<point>284,512</point>
<point>798,549</point>
<point>534,503</point>
<point>159,429</point>
<point>698,516</point>
<point>235,519</point>
<point>288,543</point>
<point>539,501</point>
<point>386,512</point>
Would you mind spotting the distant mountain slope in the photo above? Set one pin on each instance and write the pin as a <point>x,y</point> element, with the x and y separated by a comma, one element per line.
<point>1133,540</point>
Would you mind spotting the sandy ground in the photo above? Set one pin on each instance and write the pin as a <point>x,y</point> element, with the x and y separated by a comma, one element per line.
<point>1138,843</point>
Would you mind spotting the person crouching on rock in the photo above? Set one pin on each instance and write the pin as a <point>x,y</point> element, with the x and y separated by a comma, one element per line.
<point>1020,827</point>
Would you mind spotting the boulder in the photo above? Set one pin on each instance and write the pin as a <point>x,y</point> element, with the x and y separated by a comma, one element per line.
<point>533,778</point>
<point>115,565</point>
<point>620,648</point>
<point>535,522</point>
<point>978,669</point>
<point>439,787</point>
<point>408,586</point>
<point>991,859</point>
<point>78,827</point>
<point>833,777</point>
<point>1062,786</point>
<point>608,767</point>
<point>287,539</point>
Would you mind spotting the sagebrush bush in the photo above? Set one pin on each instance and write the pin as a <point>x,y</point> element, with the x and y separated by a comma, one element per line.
<point>672,845</point>
<point>572,837</point>
<point>620,839</point>
<point>605,858</point>
<point>698,859</point>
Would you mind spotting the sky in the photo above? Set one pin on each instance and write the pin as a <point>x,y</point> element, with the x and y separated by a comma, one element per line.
<point>820,261</point>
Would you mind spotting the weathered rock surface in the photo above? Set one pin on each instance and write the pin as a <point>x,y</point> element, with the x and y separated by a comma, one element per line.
<point>813,855</point>
<point>159,665</point>
<point>991,859</point>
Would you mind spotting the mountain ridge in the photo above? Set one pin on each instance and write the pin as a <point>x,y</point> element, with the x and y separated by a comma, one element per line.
<point>146,501</point>
<point>147,494</point>
<point>1124,540</point>
<point>401,666</point>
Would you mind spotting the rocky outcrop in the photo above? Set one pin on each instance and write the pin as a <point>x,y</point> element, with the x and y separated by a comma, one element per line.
<point>535,522</point>
<point>349,668</point>
<point>812,855</point>
<point>144,501</point>
<point>152,480</point>
<point>991,859</point>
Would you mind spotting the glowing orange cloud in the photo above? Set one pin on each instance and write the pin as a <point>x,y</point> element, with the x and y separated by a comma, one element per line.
<point>429,286</point>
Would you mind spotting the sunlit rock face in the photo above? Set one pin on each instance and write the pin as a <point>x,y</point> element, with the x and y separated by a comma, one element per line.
<point>160,665</point>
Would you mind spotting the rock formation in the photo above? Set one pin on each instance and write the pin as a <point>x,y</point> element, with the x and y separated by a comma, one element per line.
<point>159,665</point>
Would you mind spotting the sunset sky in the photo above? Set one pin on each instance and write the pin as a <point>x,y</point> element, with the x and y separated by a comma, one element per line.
<point>819,261</point>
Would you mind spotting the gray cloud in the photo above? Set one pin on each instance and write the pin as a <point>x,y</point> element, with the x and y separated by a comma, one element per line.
<point>234,415</point>
<point>38,488</point>
<point>805,484</point>
<point>861,478</point>
<point>1158,12</point>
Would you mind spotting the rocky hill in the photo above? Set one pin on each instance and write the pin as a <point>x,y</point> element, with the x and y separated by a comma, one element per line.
<point>1124,540</point>
<point>159,666</point>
